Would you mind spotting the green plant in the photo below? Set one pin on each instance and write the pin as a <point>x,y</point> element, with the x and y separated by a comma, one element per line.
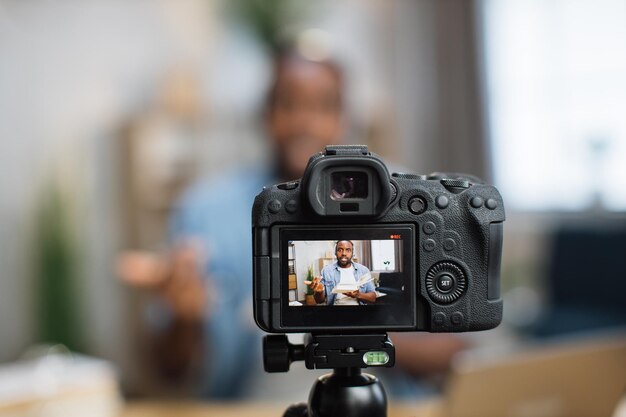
<point>56,260</point>
<point>309,277</point>
<point>271,21</point>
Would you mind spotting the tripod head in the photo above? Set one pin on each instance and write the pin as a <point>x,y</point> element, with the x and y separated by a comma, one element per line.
<point>328,352</point>
<point>345,392</point>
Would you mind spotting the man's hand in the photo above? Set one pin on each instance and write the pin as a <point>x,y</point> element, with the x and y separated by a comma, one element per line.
<point>176,278</point>
<point>317,285</point>
<point>368,297</point>
<point>142,269</point>
<point>318,290</point>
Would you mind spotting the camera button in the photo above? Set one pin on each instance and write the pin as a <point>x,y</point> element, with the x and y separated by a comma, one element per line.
<point>291,206</point>
<point>476,202</point>
<point>274,206</point>
<point>442,201</point>
<point>445,283</point>
<point>429,228</point>
<point>429,245</point>
<point>457,318</point>
<point>449,244</point>
<point>417,205</point>
<point>439,319</point>
<point>491,204</point>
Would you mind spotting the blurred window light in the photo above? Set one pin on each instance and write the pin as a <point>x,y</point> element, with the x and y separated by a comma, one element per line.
<point>383,255</point>
<point>555,79</point>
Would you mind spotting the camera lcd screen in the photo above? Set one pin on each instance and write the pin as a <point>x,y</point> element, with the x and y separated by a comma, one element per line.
<point>348,277</point>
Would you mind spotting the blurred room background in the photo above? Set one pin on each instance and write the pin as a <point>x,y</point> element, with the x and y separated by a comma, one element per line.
<point>109,108</point>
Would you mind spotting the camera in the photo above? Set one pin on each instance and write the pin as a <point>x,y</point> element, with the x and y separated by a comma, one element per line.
<point>351,249</point>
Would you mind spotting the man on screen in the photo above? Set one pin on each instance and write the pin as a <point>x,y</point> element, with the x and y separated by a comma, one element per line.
<point>336,286</point>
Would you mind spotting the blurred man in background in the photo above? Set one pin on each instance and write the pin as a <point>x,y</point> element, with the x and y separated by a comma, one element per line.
<point>204,285</point>
<point>203,300</point>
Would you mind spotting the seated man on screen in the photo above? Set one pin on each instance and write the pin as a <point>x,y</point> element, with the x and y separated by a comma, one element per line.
<point>344,282</point>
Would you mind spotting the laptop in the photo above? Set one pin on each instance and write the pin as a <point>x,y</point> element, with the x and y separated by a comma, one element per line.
<point>582,378</point>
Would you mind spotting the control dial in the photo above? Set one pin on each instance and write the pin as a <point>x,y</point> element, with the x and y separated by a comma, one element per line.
<point>445,282</point>
<point>455,185</point>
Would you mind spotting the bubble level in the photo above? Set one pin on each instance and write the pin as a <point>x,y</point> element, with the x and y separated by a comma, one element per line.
<point>375,358</point>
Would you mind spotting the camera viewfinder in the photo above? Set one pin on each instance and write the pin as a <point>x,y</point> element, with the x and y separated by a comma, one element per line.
<point>348,184</point>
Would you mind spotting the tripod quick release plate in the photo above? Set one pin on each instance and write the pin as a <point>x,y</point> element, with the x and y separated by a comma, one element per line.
<point>353,351</point>
<point>329,352</point>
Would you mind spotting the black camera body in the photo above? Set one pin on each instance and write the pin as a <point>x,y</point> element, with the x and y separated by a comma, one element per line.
<point>427,248</point>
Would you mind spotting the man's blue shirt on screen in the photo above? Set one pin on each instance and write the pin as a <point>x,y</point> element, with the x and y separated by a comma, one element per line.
<point>331,276</point>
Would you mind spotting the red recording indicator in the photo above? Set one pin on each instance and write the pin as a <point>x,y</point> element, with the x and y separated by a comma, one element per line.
<point>395,237</point>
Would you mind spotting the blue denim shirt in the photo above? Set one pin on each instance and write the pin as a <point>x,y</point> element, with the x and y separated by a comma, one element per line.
<point>331,275</point>
<point>216,214</point>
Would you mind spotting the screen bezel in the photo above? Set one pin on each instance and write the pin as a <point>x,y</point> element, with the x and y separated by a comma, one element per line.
<point>348,318</point>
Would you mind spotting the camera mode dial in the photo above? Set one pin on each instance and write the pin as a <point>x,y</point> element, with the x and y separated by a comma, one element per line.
<point>445,282</point>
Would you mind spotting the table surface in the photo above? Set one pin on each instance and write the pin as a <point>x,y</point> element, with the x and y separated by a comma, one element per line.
<point>185,409</point>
